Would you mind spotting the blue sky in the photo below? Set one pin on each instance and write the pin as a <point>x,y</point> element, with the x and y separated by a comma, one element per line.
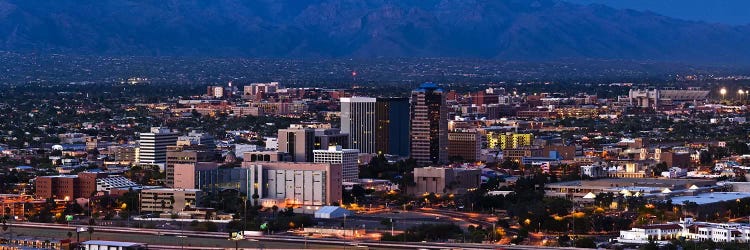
<point>716,11</point>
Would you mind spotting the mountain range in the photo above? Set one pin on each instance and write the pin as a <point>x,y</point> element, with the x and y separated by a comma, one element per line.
<point>530,30</point>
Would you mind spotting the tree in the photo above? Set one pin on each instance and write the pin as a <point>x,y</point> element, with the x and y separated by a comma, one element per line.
<point>73,208</point>
<point>275,209</point>
<point>659,168</point>
<point>738,147</point>
<point>5,222</point>
<point>508,164</point>
<point>650,246</point>
<point>585,242</point>
<point>563,240</point>
<point>255,199</point>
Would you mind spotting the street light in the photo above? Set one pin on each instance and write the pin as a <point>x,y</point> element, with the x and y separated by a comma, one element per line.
<point>257,242</point>
<point>182,241</point>
<point>723,92</point>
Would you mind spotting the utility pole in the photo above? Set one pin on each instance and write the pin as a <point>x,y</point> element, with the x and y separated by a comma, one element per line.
<point>391,227</point>
<point>244,216</point>
<point>182,241</point>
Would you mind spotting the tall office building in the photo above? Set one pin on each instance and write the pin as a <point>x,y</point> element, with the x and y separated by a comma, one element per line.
<point>337,155</point>
<point>153,146</point>
<point>464,144</point>
<point>376,125</point>
<point>298,141</point>
<point>358,120</point>
<point>392,126</point>
<point>429,125</point>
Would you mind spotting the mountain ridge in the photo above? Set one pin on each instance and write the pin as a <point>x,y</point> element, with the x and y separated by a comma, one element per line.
<point>503,30</point>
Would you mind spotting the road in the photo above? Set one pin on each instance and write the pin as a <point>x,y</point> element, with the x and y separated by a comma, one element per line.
<point>204,240</point>
<point>484,220</point>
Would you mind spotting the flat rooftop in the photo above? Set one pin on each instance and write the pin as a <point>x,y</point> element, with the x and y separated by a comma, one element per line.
<point>112,243</point>
<point>708,198</point>
<point>633,182</point>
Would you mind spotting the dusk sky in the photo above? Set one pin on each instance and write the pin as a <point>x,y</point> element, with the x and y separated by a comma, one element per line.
<point>722,11</point>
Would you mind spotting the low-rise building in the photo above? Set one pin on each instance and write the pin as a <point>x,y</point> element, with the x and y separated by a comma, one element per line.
<point>594,171</point>
<point>169,200</point>
<point>114,182</point>
<point>688,229</point>
<point>67,186</point>
<point>440,180</point>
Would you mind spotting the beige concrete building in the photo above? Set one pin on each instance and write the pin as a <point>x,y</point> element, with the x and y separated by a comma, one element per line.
<point>181,158</point>
<point>183,174</point>
<point>445,180</point>
<point>294,184</point>
<point>169,200</point>
<point>265,156</point>
<point>299,142</point>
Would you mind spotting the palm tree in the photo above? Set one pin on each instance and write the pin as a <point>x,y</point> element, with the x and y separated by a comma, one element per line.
<point>255,199</point>
<point>5,221</point>
<point>275,209</point>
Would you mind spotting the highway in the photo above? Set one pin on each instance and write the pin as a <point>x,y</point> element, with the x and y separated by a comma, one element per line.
<point>484,220</point>
<point>166,239</point>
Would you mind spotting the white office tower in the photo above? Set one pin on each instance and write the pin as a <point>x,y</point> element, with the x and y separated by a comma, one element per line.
<point>358,120</point>
<point>346,157</point>
<point>153,146</point>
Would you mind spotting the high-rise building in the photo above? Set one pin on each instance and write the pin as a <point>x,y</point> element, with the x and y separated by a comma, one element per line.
<point>392,126</point>
<point>337,155</point>
<point>465,145</point>
<point>153,145</point>
<point>376,125</point>
<point>298,141</point>
<point>429,125</point>
<point>358,120</point>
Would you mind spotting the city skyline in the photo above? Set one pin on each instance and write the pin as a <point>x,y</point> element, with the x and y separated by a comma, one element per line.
<point>378,124</point>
